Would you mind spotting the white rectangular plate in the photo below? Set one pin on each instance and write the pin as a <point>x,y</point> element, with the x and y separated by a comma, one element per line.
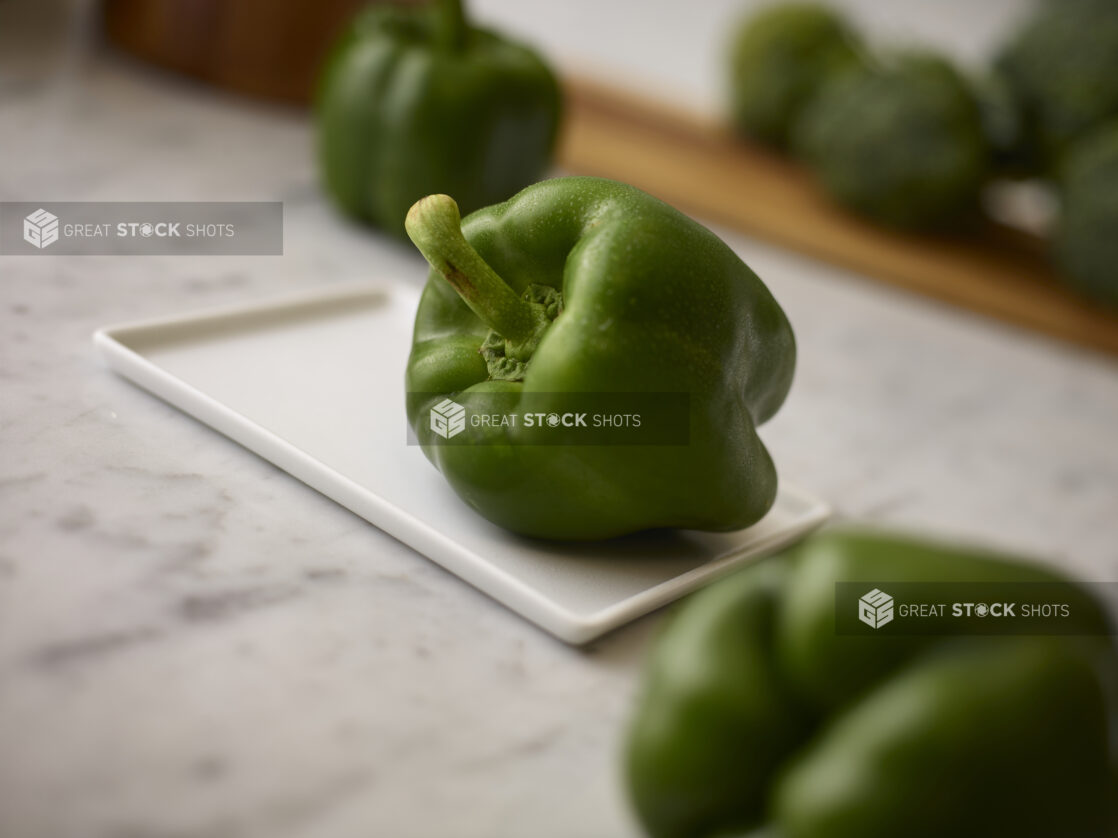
<point>315,385</point>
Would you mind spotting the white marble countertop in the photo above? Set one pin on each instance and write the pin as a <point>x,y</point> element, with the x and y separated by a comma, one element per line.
<point>194,644</point>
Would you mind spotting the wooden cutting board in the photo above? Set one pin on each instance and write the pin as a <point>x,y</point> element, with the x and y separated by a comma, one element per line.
<point>701,168</point>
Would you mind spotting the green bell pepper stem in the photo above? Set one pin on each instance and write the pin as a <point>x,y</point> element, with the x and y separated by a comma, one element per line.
<point>450,29</point>
<point>435,226</point>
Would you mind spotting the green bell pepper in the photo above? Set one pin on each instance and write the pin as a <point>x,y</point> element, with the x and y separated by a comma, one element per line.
<point>780,58</point>
<point>759,717</point>
<point>415,100</point>
<point>586,286</point>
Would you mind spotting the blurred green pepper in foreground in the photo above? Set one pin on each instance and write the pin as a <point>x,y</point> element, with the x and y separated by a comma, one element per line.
<point>1086,239</point>
<point>757,714</point>
<point>903,143</point>
<point>415,101</point>
<point>779,59</point>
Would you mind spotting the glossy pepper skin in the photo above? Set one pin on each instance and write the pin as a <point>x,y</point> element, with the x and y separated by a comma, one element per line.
<point>757,718</point>
<point>416,100</point>
<point>651,302</point>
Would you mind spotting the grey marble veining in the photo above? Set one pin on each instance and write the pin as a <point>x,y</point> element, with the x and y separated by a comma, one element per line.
<point>192,644</point>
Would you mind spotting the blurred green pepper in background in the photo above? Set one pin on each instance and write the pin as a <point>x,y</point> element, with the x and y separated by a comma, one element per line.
<point>779,59</point>
<point>757,714</point>
<point>1062,70</point>
<point>902,142</point>
<point>415,101</point>
<point>1004,126</point>
<point>1086,238</point>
